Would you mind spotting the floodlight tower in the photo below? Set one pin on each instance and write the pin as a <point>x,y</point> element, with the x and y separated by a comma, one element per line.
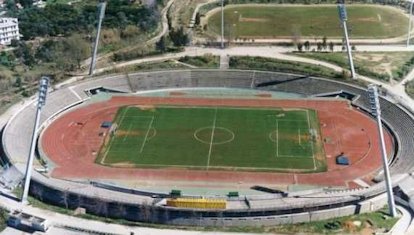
<point>102,6</point>
<point>343,17</point>
<point>376,111</point>
<point>44,83</point>
<point>409,23</point>
<point>222,24</point>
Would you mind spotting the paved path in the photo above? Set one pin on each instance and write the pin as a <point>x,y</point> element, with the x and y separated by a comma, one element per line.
<point>402,225</point>
<point>265,51</point>
<point>224,61</point>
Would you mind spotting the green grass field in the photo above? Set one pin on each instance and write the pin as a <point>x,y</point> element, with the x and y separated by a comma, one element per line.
<point>215,138</point>
<point>269,21</point>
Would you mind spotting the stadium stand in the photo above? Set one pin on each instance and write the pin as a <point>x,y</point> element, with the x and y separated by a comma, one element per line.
<point>266,210</point>
<point>159,80</point>
<point>10,178</point>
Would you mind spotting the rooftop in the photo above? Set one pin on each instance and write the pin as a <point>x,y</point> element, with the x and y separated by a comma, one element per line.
<point>6,21</point>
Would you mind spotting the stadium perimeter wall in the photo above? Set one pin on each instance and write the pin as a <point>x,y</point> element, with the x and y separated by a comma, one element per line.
<point>143,208</point>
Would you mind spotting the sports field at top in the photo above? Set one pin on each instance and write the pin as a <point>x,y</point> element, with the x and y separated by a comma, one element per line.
<point>227,138</point>
<point>270,21</point>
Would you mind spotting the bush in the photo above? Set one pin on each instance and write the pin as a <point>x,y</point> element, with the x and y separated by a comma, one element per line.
<point>266,64</point>
<point>208,61</point>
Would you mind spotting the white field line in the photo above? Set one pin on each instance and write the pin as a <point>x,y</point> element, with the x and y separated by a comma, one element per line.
<point>127,134</point>
<point>212,139</point>
<point>123,116</point>
<point>112,139</point>
<point>277,138</point>
<point>299,132</point>
<point>313,153</point>
<point>225,167</point>
<point>130,124</point>
<point>146,135</point>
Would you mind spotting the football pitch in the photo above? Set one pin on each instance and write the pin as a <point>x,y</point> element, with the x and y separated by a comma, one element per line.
<point>221,138</point>
<point>270,21</point>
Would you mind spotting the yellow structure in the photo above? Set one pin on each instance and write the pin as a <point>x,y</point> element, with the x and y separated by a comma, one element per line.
<point>199,203</point>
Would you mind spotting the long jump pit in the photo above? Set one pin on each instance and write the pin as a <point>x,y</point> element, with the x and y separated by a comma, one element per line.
<point>212,144</point>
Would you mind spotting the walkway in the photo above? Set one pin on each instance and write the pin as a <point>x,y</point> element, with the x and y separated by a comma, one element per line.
<point>402,225</point>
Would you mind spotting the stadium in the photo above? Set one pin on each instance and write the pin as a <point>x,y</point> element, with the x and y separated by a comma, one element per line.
<point>211,147</point>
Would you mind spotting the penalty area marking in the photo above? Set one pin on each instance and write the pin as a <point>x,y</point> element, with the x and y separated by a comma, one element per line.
<point>274,137</point>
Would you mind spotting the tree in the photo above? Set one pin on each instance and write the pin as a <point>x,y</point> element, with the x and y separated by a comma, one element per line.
<point>130,31</point>
<point>197,19</point>
<point>10,6</point>
<point>307,45</point>
<point>346,74</point>
<point>178,37</point>
<point>14,43</point>
<point>24,53</point>
<point>331,46</point>
<point>160,45</point>
<point>77,49</point>
<point>324,43</point>
<point>18,82</point>
<point>300,47</point>
<point>26,3</point>
<point>319,46</point>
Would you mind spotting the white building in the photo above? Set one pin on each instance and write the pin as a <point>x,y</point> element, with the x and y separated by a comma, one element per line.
<point>9,29</point>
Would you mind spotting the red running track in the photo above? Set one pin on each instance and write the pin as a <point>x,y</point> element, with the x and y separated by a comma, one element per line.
<point>72,141</point>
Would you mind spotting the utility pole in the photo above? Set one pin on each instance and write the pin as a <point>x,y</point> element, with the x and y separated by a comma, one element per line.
<point>44,83</point>
<point>102,6</point>
<point>222,24</point>
<point>343,17</point>
<point>409,23</point>
<point>376,111</point>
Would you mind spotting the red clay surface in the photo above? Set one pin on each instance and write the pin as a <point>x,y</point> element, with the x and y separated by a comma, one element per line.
<point>72,141</point>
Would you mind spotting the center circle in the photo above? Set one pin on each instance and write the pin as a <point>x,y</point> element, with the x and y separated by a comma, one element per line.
<point>214,135</point>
